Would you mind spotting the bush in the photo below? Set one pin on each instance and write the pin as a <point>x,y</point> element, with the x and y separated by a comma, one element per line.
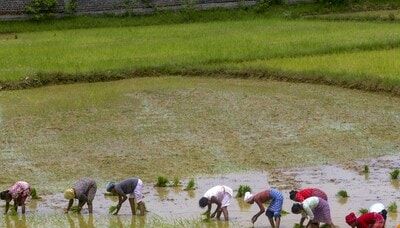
<point>335,2</point>
<point>264,5</point>
<point>162,181</point>
<point>71,6</point>
<point>41,9</point>
<point>242,190</point>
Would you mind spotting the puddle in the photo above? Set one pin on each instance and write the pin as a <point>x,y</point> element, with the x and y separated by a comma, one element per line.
<point>174,204</point>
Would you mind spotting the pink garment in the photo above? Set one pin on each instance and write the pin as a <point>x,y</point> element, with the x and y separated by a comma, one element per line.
<point>20,190</point>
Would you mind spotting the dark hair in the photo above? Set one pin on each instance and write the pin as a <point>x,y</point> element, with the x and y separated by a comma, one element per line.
<point>3,195</point>
<point>297,208</point>
<point>203,202</point>
<point>384,214</point>
<point>293,194</point>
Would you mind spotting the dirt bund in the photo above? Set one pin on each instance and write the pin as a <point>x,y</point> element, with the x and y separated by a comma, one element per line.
<point>372,84</point>
<point>173,203</point>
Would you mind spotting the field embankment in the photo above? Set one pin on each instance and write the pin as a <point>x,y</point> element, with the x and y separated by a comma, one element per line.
<point>267,46</point>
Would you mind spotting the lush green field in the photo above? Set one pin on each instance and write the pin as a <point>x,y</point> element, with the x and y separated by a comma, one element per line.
<point>383,15</point>
<point>184,45</point>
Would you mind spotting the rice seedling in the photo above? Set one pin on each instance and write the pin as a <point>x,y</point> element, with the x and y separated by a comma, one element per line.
<point>366,169</point>
<point>342,193</point>
<point>284,213</point>
<point>296,225</point>
<point>112,209</point>
<point>206,216</point>
<point>394,175</point>
<point>363,210</point>
<point>191,185</point>
<point>75,209</point>
<point>242,190</point>
<point>176,182</point>
<point>12,211</point>
<point>392,208</point>
<point>162,181</point>
<point>34,194</point>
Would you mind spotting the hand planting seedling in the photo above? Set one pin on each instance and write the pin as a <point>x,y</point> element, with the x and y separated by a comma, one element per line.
<point>112,209</point>
<point>363,211</point>
<point>206,216</point>
<point>242,190</point>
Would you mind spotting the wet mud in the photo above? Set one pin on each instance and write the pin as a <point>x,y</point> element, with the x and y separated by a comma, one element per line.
<point>175,205</point>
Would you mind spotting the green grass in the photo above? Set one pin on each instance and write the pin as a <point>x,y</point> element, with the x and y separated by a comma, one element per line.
<point>46,132</point>
<point>378,15</point>
<point>184,46</point>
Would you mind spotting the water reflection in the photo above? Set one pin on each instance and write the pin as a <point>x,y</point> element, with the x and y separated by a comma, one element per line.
<point>15,221</point>
<point>81,221</point>
<point>135,221</point>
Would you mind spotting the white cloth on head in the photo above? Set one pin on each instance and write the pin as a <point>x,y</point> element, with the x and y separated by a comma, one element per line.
<point>137,193</point>
<point>376,207</point>
<point>222,193</point>
<point>247,197</point>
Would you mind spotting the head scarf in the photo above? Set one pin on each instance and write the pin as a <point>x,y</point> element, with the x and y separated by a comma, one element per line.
<point>69,193</point>
<point>110,186</point>
<point>351,218</point>
<point>248,197</point>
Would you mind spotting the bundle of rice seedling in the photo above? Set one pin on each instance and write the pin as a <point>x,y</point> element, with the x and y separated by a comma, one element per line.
<point>206,216</point>
<point>75,209</point>
<point>34,194</point>
<point>112,209</point>
<point>191,185</point>
<point>242,190</point>
<point>363,211</point>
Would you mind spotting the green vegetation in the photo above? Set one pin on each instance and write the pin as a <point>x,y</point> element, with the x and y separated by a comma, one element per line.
<point>34,194</point>
<point>41,9</point>
<point>342,193</point>
<point>75,209</point>
<point>112,209</point>
<point>176,182</point>
<point>154,118</point>
<point>392,208</point>
<point>394,175</point>
<point>378,15</point>
<point>191,185</point>
<point>162,181</point>
<point>366,169</point>
<point>242,190</point>
<point>363,211</point>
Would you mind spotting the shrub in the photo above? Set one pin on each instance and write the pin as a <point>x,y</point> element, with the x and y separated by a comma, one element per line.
<point>342,193</point>
<point>71,6</point>
<point>41,9</point>
<point>392,208</point>
<point>162,181</point>
<point>242,190</point>
<point>191,185</point>
<point>395,174</point>
<point>264,5</point>
<point>363,211</point>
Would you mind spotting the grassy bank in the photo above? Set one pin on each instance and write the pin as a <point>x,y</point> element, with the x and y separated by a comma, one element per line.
<point>163,48</point>
<point>151,126</point>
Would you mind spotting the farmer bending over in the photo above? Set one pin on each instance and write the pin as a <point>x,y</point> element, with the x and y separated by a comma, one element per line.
<point>317,209</point>
<point>18,192</point>
<point>221,195</point>
<point>367,220</point>
<point>133,187</point>
<point>84,190</point>
<point>274,209</point>
<point>302,194</point>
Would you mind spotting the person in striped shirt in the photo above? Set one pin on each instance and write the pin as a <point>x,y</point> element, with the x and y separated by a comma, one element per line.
<point>274,209</point>
<point>302,194</point>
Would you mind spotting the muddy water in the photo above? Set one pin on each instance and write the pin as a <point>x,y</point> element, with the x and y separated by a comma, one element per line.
<point>174,204</point>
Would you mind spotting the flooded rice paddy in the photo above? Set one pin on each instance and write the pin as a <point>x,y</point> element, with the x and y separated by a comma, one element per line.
<point>220,131</point>
<point>172,206</point>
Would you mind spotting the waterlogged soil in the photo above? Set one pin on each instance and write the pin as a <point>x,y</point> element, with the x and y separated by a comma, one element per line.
<point>174,206</point>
